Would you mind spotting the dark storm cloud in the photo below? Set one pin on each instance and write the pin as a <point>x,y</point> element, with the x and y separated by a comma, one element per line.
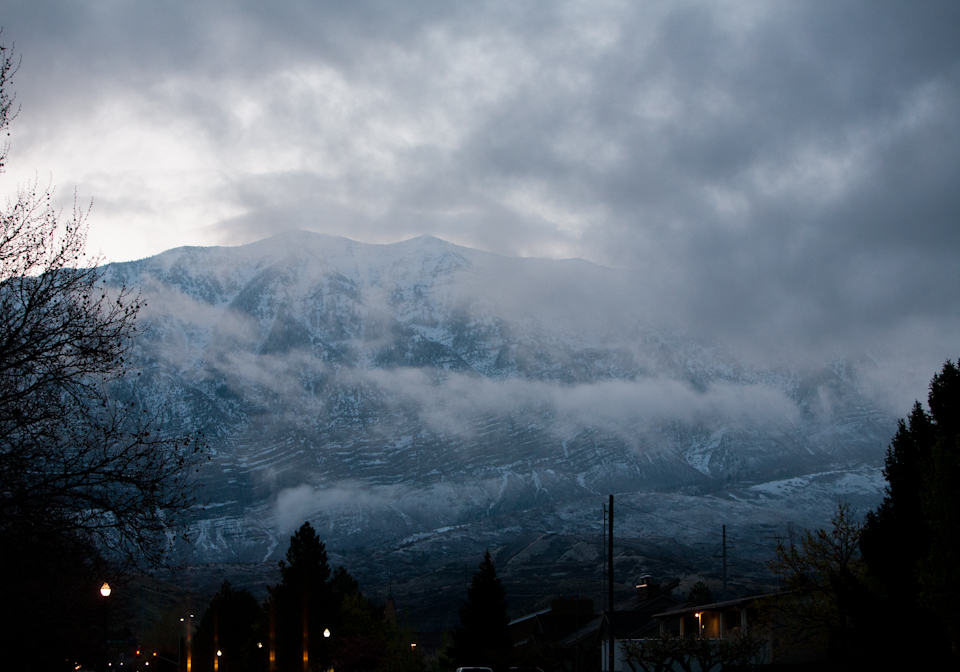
<point>783,176</point>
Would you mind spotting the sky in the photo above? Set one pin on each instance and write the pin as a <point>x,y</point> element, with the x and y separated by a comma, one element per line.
<point>783,176</point>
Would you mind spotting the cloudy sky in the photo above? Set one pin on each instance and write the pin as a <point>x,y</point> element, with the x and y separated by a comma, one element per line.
<point>782,174</point>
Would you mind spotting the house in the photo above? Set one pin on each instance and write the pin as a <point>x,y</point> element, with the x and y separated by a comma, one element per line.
<point>564,616</point>
<point>720,620</point>
<point>635,618</point>
<point>767,620</point>
<point>572,625</point>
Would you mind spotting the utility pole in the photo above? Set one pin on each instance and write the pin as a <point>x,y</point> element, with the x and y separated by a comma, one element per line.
<point>610,638</point>
<point>723,595</point>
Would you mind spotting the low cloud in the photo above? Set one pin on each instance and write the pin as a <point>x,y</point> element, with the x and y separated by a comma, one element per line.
<point>451,404</point>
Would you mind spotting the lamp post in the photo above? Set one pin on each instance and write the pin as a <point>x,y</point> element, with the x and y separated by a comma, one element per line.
<point>186,635</point>
<point>105,591</point>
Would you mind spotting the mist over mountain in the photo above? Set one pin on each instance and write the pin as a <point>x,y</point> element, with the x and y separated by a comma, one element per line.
<point>388,391</point>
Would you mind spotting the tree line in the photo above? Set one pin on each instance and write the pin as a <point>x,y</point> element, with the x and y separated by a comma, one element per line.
<point>885,588</point>
<point>314,619</point>
<point>318,620</point>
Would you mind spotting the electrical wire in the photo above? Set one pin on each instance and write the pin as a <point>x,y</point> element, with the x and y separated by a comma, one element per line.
<point>698,529</point>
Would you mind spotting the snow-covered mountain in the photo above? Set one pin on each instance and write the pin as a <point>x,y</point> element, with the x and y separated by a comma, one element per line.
<point>386,391</point>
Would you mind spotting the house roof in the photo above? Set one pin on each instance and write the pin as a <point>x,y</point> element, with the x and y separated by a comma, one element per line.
<point>634,602</point>
<point>548,626</point>
<point>586,632</point>
<point>634,617</point>
<point>631,617</point>
<point>714,606</point>
<point>526,617</point>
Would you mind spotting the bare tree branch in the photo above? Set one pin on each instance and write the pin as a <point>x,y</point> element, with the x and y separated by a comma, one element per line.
<point>79,453</point>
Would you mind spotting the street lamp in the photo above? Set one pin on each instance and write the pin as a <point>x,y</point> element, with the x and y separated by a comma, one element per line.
<point>187,635</point>
<point>699,625</point>
<point>105,592</point>
<point>326,633</point>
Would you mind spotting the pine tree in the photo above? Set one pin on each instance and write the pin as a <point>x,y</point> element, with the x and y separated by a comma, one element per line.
<point>483,637</point>
<point>303,593</point>
<point>700,594</point>
<point>231,625</point>
<point>940,569</point>
<point>895,537</point>
<point>911,543</point>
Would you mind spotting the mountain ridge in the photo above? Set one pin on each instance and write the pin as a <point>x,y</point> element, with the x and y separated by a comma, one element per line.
<point>441,385</point>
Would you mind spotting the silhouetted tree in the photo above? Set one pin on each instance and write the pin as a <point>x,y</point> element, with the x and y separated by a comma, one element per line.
<point>940,570</point>
<point>302,603</point>
<point>232,625</point>
<point>52,609</point>
<point>483,637</point>
<point>89,477</point>
<point>826,604</point>
<point>700,593</point>
<point>667,653</point>
<point>910,542</point>
<point>360,641</point>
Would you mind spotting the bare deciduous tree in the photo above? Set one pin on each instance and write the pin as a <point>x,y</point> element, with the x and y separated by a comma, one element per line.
<point>669,652</point>
<point>823,576</point>
<point>80,454</point>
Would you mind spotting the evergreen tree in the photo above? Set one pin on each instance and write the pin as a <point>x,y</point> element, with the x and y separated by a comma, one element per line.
<point>940,570</point>
<point>700,594</point>
<point>483,637</point>
<point>895,537</point>
<point>231,624</point>
<point>303,594</point>
<point>342,584</point>
<point>360,640</point>
<point>910,542</point>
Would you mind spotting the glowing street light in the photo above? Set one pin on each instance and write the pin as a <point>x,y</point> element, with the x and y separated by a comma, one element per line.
<point>105,592</point>
<point>326,632</point>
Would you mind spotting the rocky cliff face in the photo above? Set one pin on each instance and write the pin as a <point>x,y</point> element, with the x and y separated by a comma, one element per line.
<point>383,391</point>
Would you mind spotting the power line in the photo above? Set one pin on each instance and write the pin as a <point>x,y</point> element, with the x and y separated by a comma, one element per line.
<point>677,522</point>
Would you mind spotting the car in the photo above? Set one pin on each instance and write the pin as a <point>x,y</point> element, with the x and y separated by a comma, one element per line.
<point>474,669</point>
